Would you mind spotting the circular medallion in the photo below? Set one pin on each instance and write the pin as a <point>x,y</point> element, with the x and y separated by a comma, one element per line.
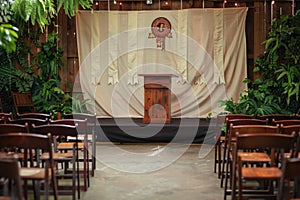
<point>161,27</point>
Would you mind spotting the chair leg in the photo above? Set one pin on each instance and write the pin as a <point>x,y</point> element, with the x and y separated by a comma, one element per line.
<point>219,160</point>
<point>93,155</point>
<point>224,161</point>
<point>85,170</point>
<point>78,175</point>
<point>88,167</point>
<point>74,172</point>
<point>216,158</point>
<point>228,177</point>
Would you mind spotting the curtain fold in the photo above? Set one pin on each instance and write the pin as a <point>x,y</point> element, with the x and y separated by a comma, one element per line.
<point>204,48</point>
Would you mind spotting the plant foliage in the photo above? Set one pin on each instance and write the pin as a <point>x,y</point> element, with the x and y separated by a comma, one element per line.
<point>42,12</point>
<point>8,37</point>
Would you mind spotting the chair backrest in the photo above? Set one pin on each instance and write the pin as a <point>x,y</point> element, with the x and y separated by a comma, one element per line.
<point>276,117</point>
<point>61,130</point>
<point>91,118</point>
<point>35,115</point>
<point>237,122</point>
<point>27,141</point>
<point>81,125</point>
<point>9,169</point>
<point>288,129</point>
<point>244,129</point>
<point>23,101</point>
<point>286,122</point>
<point>281,142</point>
<point>235,116</point>
<point>10,128</point>
<point>29,121</point>
<point>6,116</point>
<point>290,173</point>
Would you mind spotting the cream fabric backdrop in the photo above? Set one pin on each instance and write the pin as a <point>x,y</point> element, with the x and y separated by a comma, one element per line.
<point>207,53</point>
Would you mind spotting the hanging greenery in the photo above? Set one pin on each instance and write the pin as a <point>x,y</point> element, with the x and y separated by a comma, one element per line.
<point>42,12</point>
<point>71,7</point>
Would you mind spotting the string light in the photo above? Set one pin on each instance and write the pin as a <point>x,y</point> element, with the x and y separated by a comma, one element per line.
<point>224,3</point>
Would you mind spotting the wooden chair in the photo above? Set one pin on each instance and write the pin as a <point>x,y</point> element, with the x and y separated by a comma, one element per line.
<point>35,115</point>
<point>91,135</point>
<point>235,122</point>
<point>256,156</point>
<point>265,174</point>
<point>59,133</point>
<point>6,116</point>
<point>33,169</point>
<point>289,182</point>
<point>9,170</point>
<point>23,102</point>
<point>82,145</point>
<point>221,124</point>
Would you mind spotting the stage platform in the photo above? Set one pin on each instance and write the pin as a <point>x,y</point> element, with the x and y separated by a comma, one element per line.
<point>133,130</point>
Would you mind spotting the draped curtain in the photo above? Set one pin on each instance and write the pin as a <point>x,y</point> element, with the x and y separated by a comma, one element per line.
<point>205,50</point>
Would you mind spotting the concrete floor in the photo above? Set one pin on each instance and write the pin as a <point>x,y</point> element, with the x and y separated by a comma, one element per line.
<point>154,171</point>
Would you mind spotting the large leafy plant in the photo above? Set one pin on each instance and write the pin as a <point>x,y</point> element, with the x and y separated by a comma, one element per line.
<point>47,91</point>
<point>278,89</point>
<point>42,12</point>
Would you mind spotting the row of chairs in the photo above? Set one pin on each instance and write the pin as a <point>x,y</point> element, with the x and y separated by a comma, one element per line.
<point>223,122</point>
<point>74,129</point>
<point>45,118</point>
<point>238,123</point>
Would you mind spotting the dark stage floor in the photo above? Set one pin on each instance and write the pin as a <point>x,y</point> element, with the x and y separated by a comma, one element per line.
<point>180,130</point>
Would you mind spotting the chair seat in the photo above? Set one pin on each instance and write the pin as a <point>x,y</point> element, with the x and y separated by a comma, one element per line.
<point>261,173</point>
<point>58,156</point>
<point>81,138</point>
<point>33,173</point>
<point>69,145</point>
<point>254,157</point>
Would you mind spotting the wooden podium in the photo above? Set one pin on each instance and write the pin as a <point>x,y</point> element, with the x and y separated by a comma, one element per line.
<point>157,98</point>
